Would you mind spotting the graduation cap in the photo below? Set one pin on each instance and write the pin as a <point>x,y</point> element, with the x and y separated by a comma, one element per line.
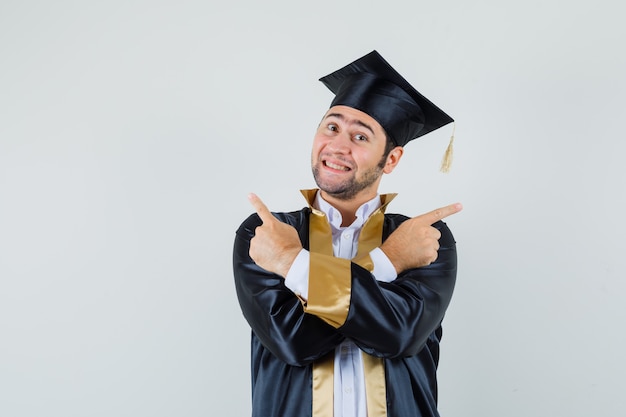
<point>372,86</point>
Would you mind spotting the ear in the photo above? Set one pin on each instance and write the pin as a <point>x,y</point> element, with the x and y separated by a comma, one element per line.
<point>393,159</point>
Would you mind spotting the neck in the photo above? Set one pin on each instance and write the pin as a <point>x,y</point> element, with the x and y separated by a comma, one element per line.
<point>347,208</point>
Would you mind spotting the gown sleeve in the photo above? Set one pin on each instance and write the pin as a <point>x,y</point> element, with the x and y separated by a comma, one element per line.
<point>395,319</point>
<point>274,312</point>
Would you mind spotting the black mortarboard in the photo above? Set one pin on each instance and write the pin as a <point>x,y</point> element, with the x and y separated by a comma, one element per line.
<point>372,86</point>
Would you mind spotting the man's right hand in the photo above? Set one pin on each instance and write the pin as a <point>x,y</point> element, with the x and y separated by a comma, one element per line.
<point>275,244</point>
<point>415,242</point>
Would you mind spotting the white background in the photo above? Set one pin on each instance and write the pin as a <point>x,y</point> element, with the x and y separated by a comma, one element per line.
<point>132,131</point>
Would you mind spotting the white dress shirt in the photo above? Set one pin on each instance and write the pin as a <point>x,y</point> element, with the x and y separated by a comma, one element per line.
<point>349,383</point>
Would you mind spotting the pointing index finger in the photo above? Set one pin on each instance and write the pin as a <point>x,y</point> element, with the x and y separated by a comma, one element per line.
<point>441,213</point>
<point>260,208</point>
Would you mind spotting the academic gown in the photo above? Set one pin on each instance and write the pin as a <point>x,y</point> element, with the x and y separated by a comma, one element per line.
<point>399,321</point>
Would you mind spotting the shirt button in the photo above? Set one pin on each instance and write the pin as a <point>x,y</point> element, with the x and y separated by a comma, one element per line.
<point>348,390</point>
<point>347,236</point>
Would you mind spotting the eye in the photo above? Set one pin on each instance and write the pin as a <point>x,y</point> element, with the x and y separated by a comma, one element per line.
<point>332,127</point>
<point>360,138</point>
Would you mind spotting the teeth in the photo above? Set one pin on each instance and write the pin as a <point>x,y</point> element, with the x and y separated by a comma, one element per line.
<point>339,167</point>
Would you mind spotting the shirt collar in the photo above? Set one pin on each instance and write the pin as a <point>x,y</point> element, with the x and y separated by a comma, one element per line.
<point>334,216</point>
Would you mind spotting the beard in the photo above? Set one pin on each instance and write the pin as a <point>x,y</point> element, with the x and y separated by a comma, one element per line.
<point>350,187</point>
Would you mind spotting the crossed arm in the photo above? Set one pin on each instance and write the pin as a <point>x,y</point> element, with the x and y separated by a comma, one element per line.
<point>384,319</point>
<point>273,311</point>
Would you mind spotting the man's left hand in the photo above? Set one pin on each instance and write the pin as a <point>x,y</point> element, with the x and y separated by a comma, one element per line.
<point>275,244</point>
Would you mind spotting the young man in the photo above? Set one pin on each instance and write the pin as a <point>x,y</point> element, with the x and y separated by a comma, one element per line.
<point>345,302</point>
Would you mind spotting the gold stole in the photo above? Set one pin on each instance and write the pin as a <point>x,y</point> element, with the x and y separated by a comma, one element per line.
<point>329,299</point>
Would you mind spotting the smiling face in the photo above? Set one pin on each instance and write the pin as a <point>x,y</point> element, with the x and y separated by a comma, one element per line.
<point>348,156</point>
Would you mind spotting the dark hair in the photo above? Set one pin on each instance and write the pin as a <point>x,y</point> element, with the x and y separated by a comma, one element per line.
<point>389,146</point>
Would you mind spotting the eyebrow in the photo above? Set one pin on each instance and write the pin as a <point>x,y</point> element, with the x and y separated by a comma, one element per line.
<point>350,121</point>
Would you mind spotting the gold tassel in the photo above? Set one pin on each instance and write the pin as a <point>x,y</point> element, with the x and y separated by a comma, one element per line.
<point>446,162</point>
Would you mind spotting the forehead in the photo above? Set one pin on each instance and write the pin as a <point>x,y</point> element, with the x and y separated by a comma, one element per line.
<point>351,115</point>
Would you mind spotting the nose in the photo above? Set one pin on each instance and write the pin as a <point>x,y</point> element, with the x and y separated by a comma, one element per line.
<point>340,144</point>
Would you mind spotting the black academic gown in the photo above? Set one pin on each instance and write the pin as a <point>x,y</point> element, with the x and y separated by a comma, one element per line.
<point>399,321</point>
